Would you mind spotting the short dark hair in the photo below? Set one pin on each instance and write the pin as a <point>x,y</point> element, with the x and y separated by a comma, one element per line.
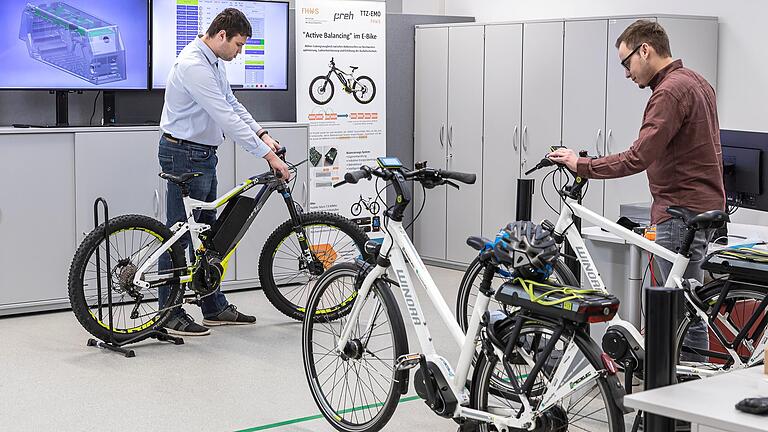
<point>233,22</point>
<point>644,31</point>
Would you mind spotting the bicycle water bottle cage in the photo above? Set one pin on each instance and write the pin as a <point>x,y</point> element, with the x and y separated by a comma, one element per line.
<point>559,301</point>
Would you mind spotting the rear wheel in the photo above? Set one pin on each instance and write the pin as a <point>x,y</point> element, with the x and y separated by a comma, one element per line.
<point>357,390</point>
<point>287,277</point>
<point>591,407</point>
<point>131,241</point>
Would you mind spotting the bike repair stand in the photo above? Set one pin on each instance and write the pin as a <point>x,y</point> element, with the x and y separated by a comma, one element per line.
<point>112,345</point>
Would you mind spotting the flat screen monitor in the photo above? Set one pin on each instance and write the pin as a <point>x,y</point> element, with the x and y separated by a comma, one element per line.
<point>263,64</point>
<point>745,162</point>
<point>74,45</point>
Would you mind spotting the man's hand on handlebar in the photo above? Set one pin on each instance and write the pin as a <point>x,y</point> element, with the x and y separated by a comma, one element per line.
<point>565,156</point>
<point>278,165</point>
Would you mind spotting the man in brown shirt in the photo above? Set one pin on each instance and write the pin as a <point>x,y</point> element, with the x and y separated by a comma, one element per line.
<point>678,146</point>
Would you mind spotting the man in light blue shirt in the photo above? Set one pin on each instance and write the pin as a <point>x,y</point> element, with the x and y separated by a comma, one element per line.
<point>199,110</point>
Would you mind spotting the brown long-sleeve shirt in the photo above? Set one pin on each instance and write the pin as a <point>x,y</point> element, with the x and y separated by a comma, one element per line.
<point>678,145</point>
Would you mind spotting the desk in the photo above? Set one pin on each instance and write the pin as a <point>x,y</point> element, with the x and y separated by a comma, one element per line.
<point>708,403</point>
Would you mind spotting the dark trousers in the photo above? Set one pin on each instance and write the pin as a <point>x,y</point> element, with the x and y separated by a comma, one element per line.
<point>178,159</point>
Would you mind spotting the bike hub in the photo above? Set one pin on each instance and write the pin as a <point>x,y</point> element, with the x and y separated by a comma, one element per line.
<point>124,272</point>
<point>353,350</point>
<point>316,267</point>
<point>554,419</point>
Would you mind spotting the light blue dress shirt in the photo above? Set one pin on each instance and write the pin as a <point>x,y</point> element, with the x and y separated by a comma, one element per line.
<point>199,104</point>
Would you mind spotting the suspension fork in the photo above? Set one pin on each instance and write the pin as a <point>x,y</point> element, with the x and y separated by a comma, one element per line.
<point>298,227</point>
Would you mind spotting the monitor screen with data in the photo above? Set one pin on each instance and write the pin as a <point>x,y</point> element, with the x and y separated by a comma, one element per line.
<point>263,63</point>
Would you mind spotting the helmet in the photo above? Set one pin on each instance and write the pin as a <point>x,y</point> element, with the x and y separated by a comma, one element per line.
<point>528,248</point>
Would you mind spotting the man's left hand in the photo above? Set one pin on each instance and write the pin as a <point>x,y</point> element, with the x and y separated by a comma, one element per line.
<point>268,140</point>
<point>565,156</point>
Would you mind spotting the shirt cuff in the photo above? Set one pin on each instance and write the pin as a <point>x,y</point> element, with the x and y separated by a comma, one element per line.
<point>582,167</point>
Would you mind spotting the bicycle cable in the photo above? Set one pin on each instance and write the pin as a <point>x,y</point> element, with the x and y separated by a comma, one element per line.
<point>423,202</point>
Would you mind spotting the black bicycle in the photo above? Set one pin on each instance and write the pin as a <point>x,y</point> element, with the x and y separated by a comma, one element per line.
<point>370,204</point>
<point>362,88</point>
<point>296,253</point>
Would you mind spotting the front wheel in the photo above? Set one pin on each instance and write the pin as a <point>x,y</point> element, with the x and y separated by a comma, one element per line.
<point>321,90</point>
<point>356,209</point>
<point>364,89</point>
<point>285,273</point>
<point>357,389</point>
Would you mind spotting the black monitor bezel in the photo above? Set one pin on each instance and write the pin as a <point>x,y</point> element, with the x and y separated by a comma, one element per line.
<point>103,89</point>
<point>150,83</point>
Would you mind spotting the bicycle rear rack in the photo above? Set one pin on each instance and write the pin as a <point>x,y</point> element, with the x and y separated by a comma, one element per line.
<point>112,344</point>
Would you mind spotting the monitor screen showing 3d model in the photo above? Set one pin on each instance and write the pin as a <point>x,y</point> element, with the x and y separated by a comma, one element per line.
<point>263,63</point>
<point>74,44</point>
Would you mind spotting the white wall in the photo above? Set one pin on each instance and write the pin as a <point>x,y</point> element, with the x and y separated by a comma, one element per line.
<point>742,73</point>
<point>424,7</point>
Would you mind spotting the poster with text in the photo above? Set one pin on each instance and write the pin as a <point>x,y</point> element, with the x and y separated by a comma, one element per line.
<point>340,91</point>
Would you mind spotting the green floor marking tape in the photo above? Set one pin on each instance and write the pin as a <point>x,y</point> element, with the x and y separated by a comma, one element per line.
<point>319,416</point>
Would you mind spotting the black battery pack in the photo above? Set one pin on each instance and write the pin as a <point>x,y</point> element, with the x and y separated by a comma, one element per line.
<point>232,224</point>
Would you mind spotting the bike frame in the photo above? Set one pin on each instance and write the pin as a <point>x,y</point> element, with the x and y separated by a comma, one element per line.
<point>195,228</point>
<point>679,262</point>
<point>402,255</point>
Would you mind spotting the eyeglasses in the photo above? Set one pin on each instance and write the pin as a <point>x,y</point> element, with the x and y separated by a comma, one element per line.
<point>625,62</point>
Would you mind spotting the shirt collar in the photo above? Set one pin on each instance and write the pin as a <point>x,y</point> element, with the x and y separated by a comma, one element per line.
<point>660,75</point>
<point>212,59</point>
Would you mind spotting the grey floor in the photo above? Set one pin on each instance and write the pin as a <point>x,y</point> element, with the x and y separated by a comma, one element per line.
<point>238,378</point>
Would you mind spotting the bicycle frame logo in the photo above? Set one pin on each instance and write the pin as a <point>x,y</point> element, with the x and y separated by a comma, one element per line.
<point>589,267</point>
<point>409,302</point>
<point>362,88</point>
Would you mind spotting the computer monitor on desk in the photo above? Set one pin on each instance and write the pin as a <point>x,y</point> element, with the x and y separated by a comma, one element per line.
<point>745,161</point>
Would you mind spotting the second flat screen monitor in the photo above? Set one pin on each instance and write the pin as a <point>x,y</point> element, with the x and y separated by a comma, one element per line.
<point>263,63</point>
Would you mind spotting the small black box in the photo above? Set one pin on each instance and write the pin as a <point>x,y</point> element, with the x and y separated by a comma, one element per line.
<point>232,224</point>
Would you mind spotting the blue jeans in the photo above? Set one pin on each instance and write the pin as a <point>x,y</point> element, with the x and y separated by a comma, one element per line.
<point>670,234</point>
<point>178,159</point>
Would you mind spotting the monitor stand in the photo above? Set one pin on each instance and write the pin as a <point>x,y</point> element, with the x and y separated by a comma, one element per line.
<point>62,112</point>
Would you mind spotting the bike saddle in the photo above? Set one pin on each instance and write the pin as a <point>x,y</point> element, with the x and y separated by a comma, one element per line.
<point>354,68</point>
<point>705,220</point>
<point>477,243</point>
<point>182,179</point>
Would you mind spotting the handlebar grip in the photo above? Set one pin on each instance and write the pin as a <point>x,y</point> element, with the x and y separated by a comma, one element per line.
<point>355,176</point>
<point>465,178</point>
<point>280,152</point>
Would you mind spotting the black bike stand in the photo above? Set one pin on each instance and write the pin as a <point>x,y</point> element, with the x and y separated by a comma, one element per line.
<point>112,345</point>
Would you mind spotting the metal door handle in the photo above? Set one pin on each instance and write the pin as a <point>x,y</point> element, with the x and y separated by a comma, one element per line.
<point>524,138</point>
<point>608,141</point>
<point>597,141</point>
<point>442,127</point>
<point>450,136</point>
<point>514,138</point>
<point>157,203</point>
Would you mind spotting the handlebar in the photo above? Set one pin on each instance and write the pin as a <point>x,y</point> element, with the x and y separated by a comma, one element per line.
<point>429,177</point>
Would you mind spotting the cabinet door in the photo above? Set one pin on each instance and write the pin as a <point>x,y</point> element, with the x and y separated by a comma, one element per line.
<point>542,108</point>
<point>625,104</point>
<point>695,42</point>
<point>121,167</point>
<point>274,211</point>
<point>584,81</point>
<point>430,129</point>
<point>37,216</point>
<point>465,138</point>
<point>501,125</point>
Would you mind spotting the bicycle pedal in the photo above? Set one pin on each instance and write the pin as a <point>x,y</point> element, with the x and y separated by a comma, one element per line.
<point>407,361</point>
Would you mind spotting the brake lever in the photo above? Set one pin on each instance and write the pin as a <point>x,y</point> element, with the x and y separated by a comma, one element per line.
<point>450,183</point>
<point>343,182</point>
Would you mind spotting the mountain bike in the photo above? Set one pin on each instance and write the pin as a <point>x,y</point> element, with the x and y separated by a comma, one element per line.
<point>370,204</point>
<point>296,253</point>
<point>358,366</point>
<point>733,307</point>
<point>362,88</point>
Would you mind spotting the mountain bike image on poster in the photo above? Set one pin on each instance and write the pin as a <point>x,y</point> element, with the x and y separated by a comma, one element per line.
<point>362,88</point>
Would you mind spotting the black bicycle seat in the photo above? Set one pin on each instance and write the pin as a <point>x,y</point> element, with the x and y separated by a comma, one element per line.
<point>182,179</point>
<point>353,68</point>
<point>477,243</point>
<point>705,220</point>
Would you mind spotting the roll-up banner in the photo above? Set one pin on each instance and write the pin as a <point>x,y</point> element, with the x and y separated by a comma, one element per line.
<point>340,92</point>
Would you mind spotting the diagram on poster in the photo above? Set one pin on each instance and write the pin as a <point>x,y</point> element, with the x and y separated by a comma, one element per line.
<point>340,58</point>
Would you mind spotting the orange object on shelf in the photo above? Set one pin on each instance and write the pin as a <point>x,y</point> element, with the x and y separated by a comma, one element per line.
<point>650,233</point>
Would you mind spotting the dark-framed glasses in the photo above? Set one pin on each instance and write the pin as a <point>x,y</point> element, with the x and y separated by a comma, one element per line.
<point>625,62</point>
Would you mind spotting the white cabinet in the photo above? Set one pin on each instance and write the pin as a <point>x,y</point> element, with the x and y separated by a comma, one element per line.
<point>584,79</point>
<point>501,125</point>
<point>465,131</point>
<point>121,167</point>
<point>431,110</point>
<point>37,219</point>
<point>275,211</point>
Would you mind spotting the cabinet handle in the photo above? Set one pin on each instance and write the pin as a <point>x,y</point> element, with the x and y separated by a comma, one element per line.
<point>608,141</point>
<point>514,138</point>
<point>442,128</point>
<point>450,136</point>
<point>157,203</point>
<point>524,138</point>
<point>304,191</point>
<point>597,142</point>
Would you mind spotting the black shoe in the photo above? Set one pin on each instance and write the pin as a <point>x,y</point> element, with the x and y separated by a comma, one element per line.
<point>184,325</point>
<point>230,316</point>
